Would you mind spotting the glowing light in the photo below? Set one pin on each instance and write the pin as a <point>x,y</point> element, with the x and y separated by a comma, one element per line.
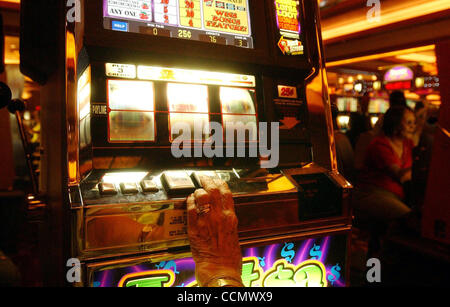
<point>374,120</point>
<point>236,100</point>
<point>120,70</point>
<point>420,82</point>
<point>84,93</point>
<point>194,76</point>
<point>343,121</point>
<point>377,85</point>
<point>348,87</point>
<point>26,115</point>
<point>416,57</point>
<point>187,98</point>
<point>131,95</point>
<point>436,103</point>
<point>378,105</point>
<point>124,177</point>
<point>410,95</point>
<point>399,73</point>
<point>26,95</point>
<point>433,97</point>
<point>346,24</point>
<point>380,56</point>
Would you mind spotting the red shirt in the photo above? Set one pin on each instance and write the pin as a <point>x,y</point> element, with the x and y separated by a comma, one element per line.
<point>379,156</point>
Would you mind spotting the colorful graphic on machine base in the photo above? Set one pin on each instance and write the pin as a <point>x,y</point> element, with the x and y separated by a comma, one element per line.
<point>309,263</point>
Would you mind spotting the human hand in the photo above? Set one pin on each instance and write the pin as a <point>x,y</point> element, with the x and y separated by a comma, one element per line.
<point>213,235</point>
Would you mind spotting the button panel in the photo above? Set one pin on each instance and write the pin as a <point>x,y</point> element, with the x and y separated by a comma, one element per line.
<point>177,182</point>
<point>129,188</point>
<point>107,188</point>
<point>149,186</point>
<point>197,175</point>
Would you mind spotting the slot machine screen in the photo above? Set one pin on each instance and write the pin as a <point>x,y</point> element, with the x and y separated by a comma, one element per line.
<point>225,22</point>
<point>238,109</point>
<point>192,100</point>
<point>347,104</point>
<point>131,107</point>
<point>378,105</point>
<point>188,107</point>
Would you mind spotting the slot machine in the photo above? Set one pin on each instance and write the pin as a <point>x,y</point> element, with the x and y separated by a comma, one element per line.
<point>346,106</point>
<point>147,85</point>
<point>377,107</point>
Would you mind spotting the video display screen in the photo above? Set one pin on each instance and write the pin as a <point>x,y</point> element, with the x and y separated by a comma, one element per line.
<point>225,22</point>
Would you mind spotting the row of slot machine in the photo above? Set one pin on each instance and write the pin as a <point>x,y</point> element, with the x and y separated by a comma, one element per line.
<point>350,104</point>
<point>376,108</point>
<point>144,77</point>
<point>416,85</point>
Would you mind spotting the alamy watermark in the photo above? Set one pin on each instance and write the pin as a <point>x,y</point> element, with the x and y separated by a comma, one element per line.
<point>373,275</point>
<point>74,273</point>
<point>215,146</point>
<point>74,11</point>
<point>374,13</point>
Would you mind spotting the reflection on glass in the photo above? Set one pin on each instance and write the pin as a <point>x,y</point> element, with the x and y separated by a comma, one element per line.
<point>131,126</point>
<point>237,100</point>
<point>131,95</point>
<point>185,126</point>
<point>244,125</point>
<point>85,132</point>
<point>84,94</point>
<point>187,98</point>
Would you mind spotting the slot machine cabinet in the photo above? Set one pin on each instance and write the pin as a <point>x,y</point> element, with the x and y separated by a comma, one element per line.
<point>132,73</point>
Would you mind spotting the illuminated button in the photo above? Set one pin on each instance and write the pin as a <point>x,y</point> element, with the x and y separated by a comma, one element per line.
<point>107,188</point>
<point>197,175</point>
<point>129,188</point>
<point>177,182</point>
<point>149,186</point>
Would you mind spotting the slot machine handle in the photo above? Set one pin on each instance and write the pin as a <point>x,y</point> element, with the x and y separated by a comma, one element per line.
<point>15,107</point>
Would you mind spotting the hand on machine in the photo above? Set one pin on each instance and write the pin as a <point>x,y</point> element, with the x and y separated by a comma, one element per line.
<point>213,235</point>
